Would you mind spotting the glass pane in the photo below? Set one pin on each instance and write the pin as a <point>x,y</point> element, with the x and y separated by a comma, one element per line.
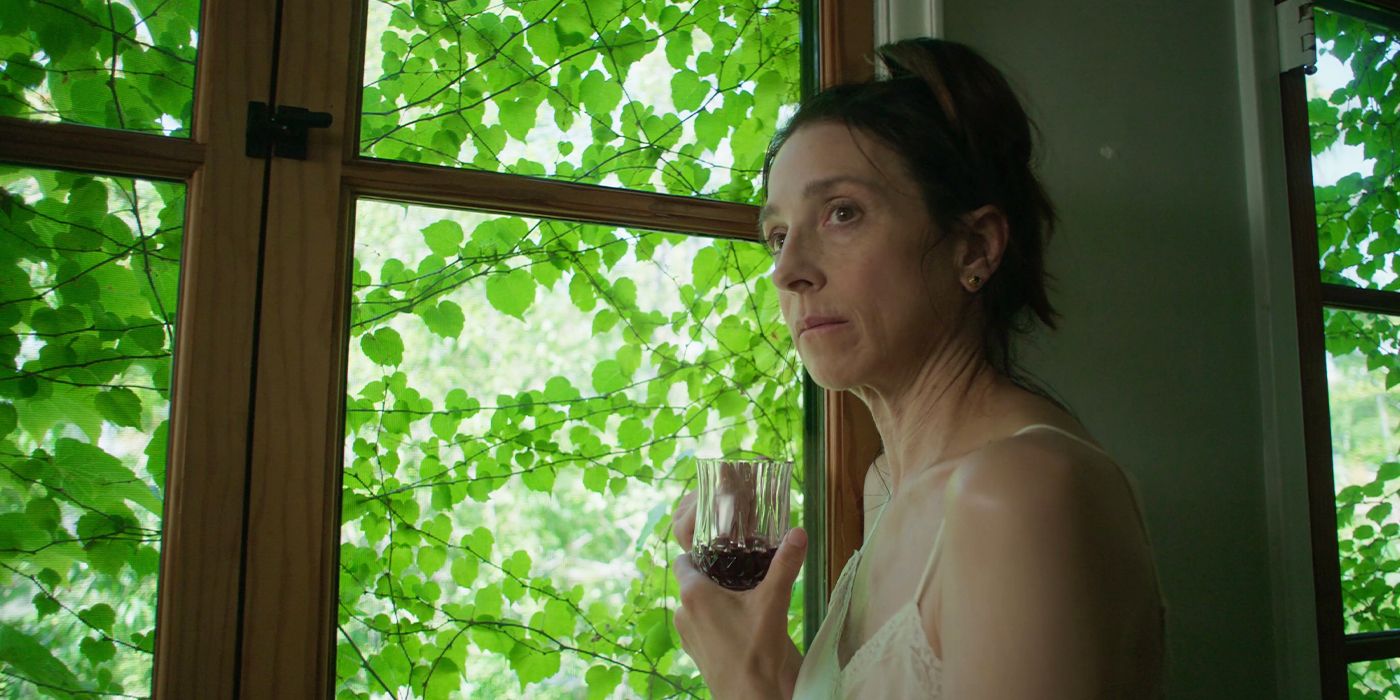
<point>90,269</point>
<point>121,64</point>
<point>526,401</point>
<point>678,97</point>
<point>1375,680</point>
<point>1351,105</point>
<point>1362,372</point>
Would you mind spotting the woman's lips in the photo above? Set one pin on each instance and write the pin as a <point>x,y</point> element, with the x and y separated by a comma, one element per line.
<point>822,327</point>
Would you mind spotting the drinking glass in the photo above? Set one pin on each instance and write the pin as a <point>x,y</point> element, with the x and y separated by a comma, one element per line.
<point>741,514</point>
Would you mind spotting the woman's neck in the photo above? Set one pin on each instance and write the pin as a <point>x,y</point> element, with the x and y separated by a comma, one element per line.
<point>921,418</point>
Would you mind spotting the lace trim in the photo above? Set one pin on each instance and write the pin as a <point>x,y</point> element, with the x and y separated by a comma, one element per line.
<point>896,633</point>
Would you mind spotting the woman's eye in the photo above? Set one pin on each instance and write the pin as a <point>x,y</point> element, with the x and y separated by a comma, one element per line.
<point>775,240</point>
<point>842,213</point>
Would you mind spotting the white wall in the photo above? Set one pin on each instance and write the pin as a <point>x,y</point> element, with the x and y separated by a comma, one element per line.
<point>1163,151</point>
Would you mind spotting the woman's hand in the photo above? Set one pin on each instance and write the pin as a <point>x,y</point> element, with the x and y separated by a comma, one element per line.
<point>738,639</point>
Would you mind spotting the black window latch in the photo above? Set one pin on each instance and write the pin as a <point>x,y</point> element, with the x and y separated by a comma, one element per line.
<point>282,132</point>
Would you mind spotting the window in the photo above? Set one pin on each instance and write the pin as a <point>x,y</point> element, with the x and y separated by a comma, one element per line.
<point>515,277</point>
<point>123,450</point>
<point>1343,179</point>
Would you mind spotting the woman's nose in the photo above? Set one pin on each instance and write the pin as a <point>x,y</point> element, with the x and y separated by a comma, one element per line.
<point>797,265</point>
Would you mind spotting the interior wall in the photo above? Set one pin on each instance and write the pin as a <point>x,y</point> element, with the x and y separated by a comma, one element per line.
<point>1173,279</point>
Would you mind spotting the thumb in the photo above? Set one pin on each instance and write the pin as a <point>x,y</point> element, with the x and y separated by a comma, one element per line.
<point>787,562</point>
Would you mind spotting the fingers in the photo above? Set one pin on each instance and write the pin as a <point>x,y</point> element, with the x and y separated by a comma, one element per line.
<point>683,568</point>
<point>690,580</point>
<point>683,521</point>
<point>787,563</point>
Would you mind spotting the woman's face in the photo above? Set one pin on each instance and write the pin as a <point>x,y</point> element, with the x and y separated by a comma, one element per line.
<point>864,297</point>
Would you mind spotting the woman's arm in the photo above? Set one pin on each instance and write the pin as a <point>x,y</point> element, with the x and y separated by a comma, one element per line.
<point>1044,578</point>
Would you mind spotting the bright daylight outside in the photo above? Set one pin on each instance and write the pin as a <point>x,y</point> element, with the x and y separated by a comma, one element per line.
<point>89,269</point>
<point>1353,102</point>
<point>527,397</point>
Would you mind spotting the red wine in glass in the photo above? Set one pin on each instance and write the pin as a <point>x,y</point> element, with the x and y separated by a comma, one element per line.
<point>741,514</point>
<point>738,566</point>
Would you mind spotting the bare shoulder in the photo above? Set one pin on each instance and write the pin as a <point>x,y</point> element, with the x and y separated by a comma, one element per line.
<point>1048,494</point>
<point>1016,472</point>
<point>1047,577</point>
<point>1038,469</point>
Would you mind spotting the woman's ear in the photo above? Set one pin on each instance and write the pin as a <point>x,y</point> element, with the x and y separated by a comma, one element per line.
<point>985,235</point>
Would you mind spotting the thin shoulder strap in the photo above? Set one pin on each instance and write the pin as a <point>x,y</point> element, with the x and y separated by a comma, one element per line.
<point>1127,479</point>
<point>928,568</point>
<point>938,539</point>
<point>1064,432</point>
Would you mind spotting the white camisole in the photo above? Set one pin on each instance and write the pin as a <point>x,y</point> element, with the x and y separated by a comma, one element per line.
<point>897,661</point>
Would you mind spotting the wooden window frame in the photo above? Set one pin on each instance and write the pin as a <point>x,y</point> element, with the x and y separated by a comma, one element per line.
<point>293,519</point>
<point>246,599</point>
<point>1335,648</point>
<point>197,607</point>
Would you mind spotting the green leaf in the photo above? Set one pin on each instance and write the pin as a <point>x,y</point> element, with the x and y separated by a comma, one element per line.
<point>99,480</point>
<point>1390,471</point>
<point>617,485</point>
<point>100,616</point>
<point>518,117</point>
<point>540,479</point>
<point>156,450</point>
<point>706,268</point>
<point>559,389</point>
<point>600,95</point>
<point>518,564</point>
<point>581,292</point>
<point>730,403</point>
<point>602,681</point>
<point>33,660</point>
<point>679,46</point>
<point>608,377</point>
<point>595,478</point>
<point>120,407</point>
<point>479,542</point>
<point>97,650</point>
<point>632,433</point>
<point>604,320</point>
<point>464,570</point>
<point>1379,513</point>
<point>446,319</point>
<point>431,558</point>
<point>444,237</point>
<point>443,681</point>
<point>658,640</point>
<point>532,666</point>
<point>511,293</point>
<point>733,336</point>
<point>383,347</point>
<point>9,418</point>
<point>688,91</point>
<point>44,605</point>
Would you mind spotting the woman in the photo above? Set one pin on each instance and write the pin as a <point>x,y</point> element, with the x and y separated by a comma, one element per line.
<point>1010,559</point>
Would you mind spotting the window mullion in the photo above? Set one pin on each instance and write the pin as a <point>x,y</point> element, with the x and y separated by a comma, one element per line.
<point>196,641</point>
<point>1312,361</point>
<point>290,564</point>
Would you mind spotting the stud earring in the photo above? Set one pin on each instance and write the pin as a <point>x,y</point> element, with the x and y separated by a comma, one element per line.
<point>974,280</point>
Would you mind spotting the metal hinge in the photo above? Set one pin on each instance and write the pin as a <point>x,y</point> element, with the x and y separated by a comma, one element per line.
<point>1297,42</point>
<point>281,132</point>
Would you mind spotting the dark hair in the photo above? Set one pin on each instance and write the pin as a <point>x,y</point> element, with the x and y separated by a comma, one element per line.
<point>965,139</point>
